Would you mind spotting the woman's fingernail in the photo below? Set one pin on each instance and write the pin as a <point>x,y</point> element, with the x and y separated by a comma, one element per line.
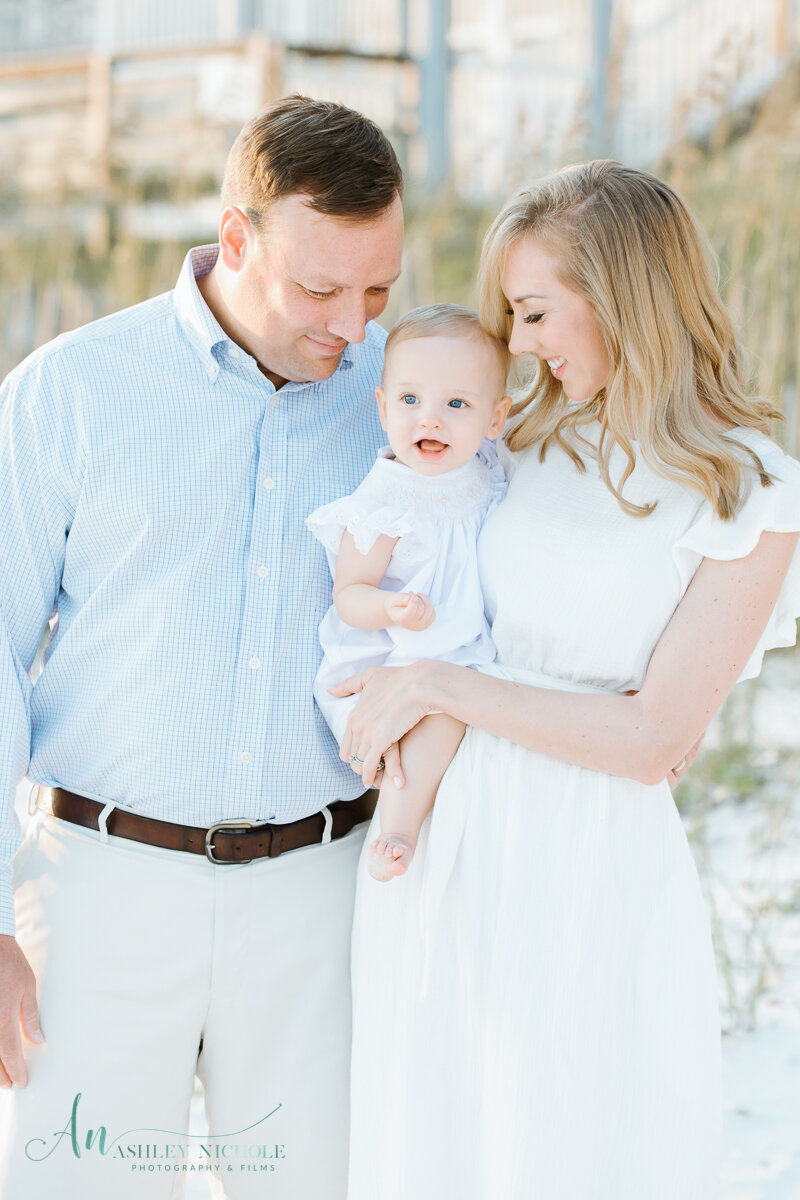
<point>397,781</point>
<point>37,1035</point>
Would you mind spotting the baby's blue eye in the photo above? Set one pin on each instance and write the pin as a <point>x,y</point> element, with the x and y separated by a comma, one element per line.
<point>408,398</point>
<point>456,404</point>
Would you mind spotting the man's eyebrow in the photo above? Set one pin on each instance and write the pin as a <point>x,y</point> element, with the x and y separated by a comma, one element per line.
<point>319,284</point>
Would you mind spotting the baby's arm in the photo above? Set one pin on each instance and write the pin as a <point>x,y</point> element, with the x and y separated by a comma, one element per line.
<point>428,748</point>
<point>427,751</point>
<point>358,597</point>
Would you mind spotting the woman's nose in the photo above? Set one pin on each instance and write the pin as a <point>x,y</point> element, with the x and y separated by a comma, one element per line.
<point>522,339</point>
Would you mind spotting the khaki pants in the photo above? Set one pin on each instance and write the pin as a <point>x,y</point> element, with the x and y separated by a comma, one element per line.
<point>154,966</point>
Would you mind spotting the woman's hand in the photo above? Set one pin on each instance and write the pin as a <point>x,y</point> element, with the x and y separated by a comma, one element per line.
<point>679,771</point>
<point>391,703</point>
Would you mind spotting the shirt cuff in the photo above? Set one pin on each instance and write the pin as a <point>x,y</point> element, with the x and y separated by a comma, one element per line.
<point>7,922</point>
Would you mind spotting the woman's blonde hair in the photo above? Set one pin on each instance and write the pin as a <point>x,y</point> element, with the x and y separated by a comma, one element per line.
<point>627,243</point>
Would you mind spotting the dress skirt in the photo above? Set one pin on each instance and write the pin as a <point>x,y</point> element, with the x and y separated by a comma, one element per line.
<point>536,1000</point>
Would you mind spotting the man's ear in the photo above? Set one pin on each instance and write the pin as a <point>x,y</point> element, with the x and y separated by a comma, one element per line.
<point>235,233</point>
<point>380,396</point>
<point>499,418</point>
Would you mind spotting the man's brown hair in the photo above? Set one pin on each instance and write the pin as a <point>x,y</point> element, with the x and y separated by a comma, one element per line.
<point>336,156</point>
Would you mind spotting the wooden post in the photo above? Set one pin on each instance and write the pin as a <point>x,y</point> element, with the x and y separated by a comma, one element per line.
<point>268,59</point>
<point>98,149</point>
<point>781,28</point>
<point>98,118</point>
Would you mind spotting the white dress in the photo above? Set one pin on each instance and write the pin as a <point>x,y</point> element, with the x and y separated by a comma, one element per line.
<point>437,519</point>
<point>535,1001</point>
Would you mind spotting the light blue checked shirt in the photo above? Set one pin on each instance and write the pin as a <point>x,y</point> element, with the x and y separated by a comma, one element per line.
<point>153,491</point>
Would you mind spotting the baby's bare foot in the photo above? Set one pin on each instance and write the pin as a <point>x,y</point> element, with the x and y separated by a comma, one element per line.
<point>388,856</point>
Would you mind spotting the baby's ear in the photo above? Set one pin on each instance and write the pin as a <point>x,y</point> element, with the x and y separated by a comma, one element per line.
<point>499,418</point>
<point>380,396</point>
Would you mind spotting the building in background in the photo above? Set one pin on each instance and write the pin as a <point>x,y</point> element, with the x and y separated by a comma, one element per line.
<point>476,94</point>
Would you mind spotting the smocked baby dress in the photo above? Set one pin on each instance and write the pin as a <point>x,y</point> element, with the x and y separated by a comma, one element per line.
<point>436,519</point>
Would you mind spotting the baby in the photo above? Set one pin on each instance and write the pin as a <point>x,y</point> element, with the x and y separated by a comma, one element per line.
<point>403,546</point>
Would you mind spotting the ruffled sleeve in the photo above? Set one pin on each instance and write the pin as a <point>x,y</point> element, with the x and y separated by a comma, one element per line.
<point>775,509</point>
<point>364,522</point>
<point>493,456</point>
<point>377,506</point>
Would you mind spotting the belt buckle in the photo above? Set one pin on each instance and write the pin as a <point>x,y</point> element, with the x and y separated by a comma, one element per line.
<point>229,827</point>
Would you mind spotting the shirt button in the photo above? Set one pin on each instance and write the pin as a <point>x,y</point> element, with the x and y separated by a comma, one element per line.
<point>262,572</point>
<point>254,664</point>
<point>234,351</point>
<point>274,401</point>
<point>269,484</point>
<point>245,757</point>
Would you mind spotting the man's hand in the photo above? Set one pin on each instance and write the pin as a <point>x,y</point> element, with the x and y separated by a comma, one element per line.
<point>18,1010</point>
<point>412,610</point>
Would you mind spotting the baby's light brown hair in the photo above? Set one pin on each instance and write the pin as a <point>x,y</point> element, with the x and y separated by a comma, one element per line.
<point>446,320</point>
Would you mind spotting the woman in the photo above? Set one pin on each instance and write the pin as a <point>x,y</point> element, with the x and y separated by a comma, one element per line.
<point>536,1000</point>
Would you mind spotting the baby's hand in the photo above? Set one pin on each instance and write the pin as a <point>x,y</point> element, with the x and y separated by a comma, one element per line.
<point>412,610</point>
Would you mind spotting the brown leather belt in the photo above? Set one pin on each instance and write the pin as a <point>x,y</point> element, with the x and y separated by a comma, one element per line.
<point>225,842</point>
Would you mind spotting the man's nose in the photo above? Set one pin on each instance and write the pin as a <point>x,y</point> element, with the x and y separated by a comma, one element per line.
<point>349,321</point>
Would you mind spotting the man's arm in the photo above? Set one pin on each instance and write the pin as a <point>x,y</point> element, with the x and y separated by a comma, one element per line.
<point>35,520</point>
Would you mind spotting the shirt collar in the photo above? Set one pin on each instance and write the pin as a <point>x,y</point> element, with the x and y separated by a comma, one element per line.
<point>196,318</point>
<point>201,326</point>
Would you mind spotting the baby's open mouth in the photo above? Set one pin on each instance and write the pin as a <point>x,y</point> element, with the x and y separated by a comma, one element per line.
<point>428,446</point>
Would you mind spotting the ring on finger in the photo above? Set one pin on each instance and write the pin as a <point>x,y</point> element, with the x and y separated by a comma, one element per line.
<point>680,767</point>
<point>355,759</point>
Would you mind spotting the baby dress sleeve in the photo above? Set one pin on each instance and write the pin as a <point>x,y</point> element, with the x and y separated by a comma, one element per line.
<point>494,456</point>
<point>374,508</point>
<point>506,459</point>
<point>776,509</point>
<point>329,523</point>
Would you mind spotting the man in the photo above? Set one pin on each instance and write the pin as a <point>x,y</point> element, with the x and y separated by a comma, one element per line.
<point>156,468</point>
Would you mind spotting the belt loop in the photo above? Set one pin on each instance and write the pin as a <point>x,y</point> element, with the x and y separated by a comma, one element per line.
<point>102,820</point>
<point>326,833</point>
